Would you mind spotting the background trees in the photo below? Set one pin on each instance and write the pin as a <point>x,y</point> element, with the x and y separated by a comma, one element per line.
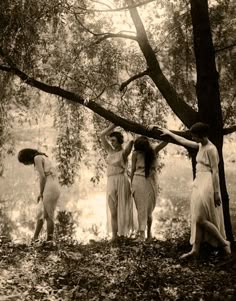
<point>152,57</point>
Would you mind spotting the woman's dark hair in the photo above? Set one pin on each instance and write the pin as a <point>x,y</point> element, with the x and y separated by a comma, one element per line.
<point>200,129</point>
<point>118,135</point>
<point>142,144</point>
<point>26,155</point>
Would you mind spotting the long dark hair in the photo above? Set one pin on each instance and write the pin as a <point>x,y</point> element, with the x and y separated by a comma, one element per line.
<point>142,144</point>
<point>26,155</point>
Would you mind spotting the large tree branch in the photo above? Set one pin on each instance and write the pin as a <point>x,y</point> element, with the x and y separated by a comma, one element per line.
<point>126,124</point>
<point>131,79</point>
<point>177,104</point>
<point>96,108</point>
<point>229,130</point>
<point>6,68</point>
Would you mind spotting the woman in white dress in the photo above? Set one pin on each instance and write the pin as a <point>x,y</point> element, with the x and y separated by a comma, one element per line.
<point>49,189</point>
<point>144,183</point>
<point>119,201</point>
<point>207,222</point>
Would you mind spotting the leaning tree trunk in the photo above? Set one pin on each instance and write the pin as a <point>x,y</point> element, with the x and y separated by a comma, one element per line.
<point>207,90</point>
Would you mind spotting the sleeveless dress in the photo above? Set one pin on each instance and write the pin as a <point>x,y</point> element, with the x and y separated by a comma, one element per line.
<point>51,191</point>
<point>144,190</point>
<point>202,198</point>
<point>119,193</point>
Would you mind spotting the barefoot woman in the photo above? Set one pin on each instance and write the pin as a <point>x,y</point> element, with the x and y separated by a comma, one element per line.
<point>207,222</point>
<point>49,188</point>
<point>144,186</point>
<point>119,198</point>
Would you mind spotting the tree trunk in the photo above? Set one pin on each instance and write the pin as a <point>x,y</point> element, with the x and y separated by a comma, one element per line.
<point>207,90</point>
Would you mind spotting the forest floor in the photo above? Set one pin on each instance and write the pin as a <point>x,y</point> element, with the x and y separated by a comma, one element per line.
<point>125,271</point>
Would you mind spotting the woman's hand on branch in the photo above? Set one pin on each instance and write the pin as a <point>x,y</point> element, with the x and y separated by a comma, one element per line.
<point>165,132</point>
<point>112,126</point>
<point>108,130</point>
<point>130,136</point>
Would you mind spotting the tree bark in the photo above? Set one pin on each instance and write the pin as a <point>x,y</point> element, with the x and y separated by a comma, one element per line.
<point>207,89</point>
<point>186,113</point>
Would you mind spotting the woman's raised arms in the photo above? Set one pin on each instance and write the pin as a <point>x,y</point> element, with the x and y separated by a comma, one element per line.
<point>160,146</point>
<point>128,149</point>
<point>104,135</point>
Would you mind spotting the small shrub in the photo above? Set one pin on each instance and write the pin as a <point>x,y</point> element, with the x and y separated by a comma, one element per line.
<point>64,226</point>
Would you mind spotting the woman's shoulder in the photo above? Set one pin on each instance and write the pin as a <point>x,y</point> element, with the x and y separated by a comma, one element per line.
<point>41,159</point>
<point>211,149</point>
<point>38,158</point>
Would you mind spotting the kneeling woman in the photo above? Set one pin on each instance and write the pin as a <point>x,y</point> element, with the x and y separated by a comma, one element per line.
<point>144,186</point>
<point>49,188</point>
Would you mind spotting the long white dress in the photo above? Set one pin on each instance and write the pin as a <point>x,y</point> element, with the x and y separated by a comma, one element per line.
<point>202,199</point>
<point>51,191</point>
<point>119,193</point>
<point>144,190</point>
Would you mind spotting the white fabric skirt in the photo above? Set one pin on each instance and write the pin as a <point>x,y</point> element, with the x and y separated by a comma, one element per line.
<point>119,196</point>
<point>203,207</point>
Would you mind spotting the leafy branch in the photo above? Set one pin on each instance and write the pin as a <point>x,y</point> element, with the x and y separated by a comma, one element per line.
<point>95,107</point>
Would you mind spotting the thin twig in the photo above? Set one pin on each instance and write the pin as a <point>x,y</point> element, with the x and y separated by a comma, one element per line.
<point>115,9</point>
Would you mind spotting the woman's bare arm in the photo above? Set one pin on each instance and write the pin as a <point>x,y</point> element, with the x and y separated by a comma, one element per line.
<point>128,149</point>
<point>38,160</point>
<point>160,146</point>
<point>213,158</point>
<point>181,140</point>
<point>103,136</point>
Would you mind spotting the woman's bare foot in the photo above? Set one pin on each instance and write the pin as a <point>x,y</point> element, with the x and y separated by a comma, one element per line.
<point>227,248</point>
<point>34,241</point>
<point>189,255</point>
<point>149,237</point>
<point>140,236</point>
<point>114,239</point>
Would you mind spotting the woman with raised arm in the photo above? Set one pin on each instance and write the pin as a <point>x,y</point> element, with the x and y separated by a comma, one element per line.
<point>143,181</point>
<point>119,201</point>
<point>207,222</point>
<point>49,191</point>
